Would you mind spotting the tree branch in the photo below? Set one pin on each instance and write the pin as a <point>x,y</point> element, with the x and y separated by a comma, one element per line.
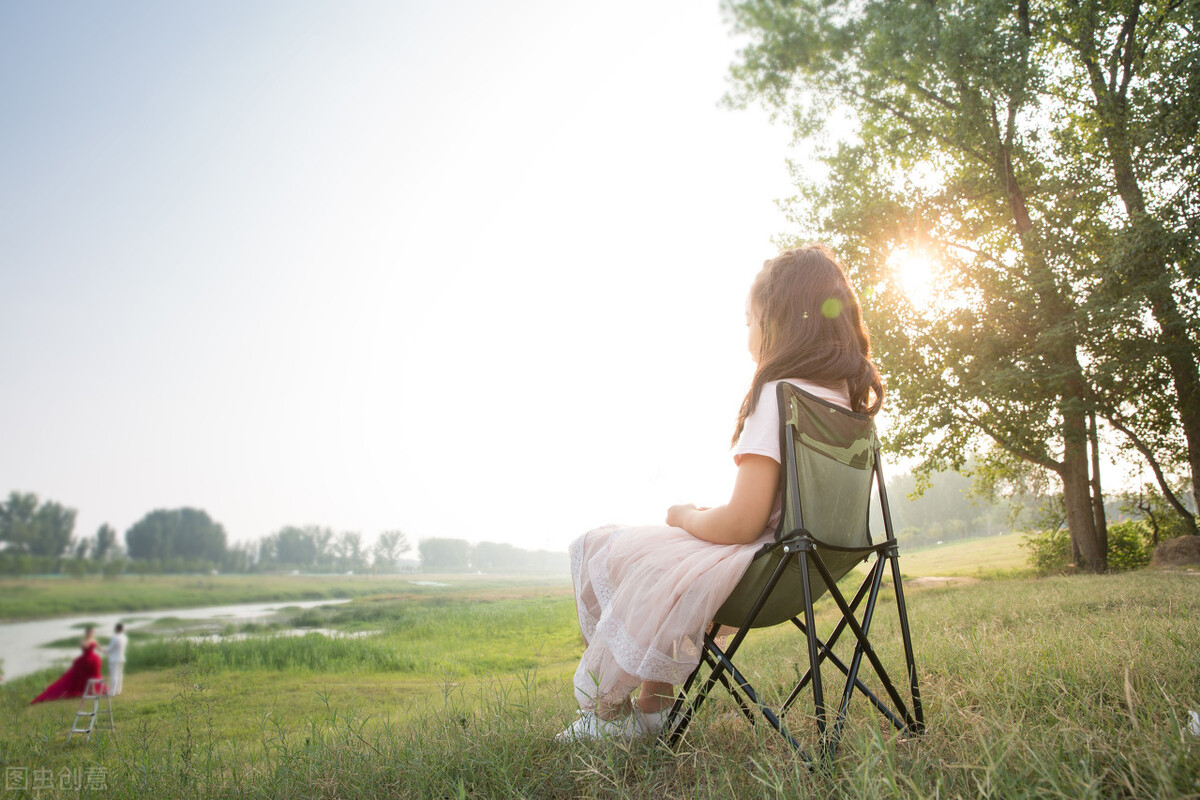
<point>972,250</point>
<point>1128,34</point>
<point>1114,419</point>
<point>1033,458</point>
<point>915,124</point>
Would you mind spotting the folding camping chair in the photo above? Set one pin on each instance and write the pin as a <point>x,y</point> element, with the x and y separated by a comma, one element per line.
<point>830,456</point>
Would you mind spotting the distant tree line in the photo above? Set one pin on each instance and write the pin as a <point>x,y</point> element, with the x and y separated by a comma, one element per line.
<point>38,537</point>
<point>459,555</point>
<point>949,505</point>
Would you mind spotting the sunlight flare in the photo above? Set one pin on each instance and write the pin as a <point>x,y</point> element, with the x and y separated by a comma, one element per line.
<point>914,273</point>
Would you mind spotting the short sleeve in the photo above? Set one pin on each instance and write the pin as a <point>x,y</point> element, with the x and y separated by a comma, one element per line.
<point>760,434</point>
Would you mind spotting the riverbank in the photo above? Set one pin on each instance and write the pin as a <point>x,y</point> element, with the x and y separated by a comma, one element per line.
<point>25,599</point>
<point>51,643</point>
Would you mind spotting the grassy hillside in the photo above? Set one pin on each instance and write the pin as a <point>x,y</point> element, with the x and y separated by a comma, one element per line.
<point>982,557</point>
<point>1057,687</point>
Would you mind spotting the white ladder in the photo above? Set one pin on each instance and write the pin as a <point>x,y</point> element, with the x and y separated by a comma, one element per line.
<point>94,691</point>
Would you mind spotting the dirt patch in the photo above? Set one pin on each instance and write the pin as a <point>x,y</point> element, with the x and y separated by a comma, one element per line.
<point>1183,551</point>
<point>925,583</point>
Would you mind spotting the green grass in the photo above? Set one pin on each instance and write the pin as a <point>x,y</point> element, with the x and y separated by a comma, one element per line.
<point>989,556</point>
<point>38,598</point>
<point>1056,687</point>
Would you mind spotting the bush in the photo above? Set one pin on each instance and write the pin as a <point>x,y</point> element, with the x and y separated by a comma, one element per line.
<point>1128,547</point>
<point>1049,551</point>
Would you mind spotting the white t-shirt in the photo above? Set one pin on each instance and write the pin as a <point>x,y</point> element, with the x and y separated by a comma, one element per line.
<point>116,647</point>
<point>760,433</point>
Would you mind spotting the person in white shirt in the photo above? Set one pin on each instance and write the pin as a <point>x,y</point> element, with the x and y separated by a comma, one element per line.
<point>116,659</point>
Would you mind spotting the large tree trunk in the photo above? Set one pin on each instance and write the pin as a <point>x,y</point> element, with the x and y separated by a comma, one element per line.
<point>1097,492</point>
<point>1090,553</point>
<point>1186,376</point>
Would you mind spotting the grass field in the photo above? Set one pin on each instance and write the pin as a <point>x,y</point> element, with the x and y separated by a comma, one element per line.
<point>991,556</point>
<point>1056,687</point>
<point>37,598</point>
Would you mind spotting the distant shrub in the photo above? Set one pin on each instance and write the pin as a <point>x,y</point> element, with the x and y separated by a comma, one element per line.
<point>1128,547</point>
<point>308,618</point>
<point>1049,551</point>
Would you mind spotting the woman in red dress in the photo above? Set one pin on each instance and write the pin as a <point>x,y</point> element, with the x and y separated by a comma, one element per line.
<point>75,679</point>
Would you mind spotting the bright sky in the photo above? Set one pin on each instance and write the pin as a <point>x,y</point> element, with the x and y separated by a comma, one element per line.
<point>473,269</point>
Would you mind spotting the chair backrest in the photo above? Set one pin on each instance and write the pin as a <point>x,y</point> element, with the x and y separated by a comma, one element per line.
<point>828,460</point>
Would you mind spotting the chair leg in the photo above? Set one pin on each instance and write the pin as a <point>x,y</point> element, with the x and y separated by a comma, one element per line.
<point>865,644</point>
<point>729,687</point>
<point>827,647</point>
<point>876,579</point>
<point>684,711</point>
<point>862,688</point>
<point>906,636</point>
<point>810,635</point>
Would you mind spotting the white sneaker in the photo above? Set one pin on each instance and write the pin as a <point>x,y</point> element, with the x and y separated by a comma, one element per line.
<point>589,727</point>
<point>650,724</point>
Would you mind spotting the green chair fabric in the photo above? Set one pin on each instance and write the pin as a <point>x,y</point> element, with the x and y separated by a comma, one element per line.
<point>830,479</point>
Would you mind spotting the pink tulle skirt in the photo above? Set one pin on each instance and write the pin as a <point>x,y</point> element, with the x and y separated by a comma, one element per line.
<point>645,596</point>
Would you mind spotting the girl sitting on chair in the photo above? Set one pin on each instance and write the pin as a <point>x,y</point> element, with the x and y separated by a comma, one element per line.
<point>645,595</point>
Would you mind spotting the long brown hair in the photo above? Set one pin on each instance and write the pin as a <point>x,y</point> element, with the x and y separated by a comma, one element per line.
<point>811,328</point>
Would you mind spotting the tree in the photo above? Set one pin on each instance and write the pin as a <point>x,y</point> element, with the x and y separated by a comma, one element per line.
<point>351,556</point>
<point>445,555</point>
<point>308,547</point>
<point>106,541</point>
<point>35,529</point>
<point>497,557</point>
<point>239,557</point>
<point>979,144</point>
<point>389,547</point>
<point>188,534</point>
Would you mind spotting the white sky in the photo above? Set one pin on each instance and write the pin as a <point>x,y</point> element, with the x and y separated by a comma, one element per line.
<point>473,269</point>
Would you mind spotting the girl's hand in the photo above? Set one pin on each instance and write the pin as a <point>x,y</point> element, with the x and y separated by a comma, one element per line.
<point>677,514</point>
<point>745,516</point>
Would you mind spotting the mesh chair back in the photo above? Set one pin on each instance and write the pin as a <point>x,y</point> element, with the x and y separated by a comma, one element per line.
<point>828,456</point>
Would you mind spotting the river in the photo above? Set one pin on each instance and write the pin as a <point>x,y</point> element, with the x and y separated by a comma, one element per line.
<point>22,643</point>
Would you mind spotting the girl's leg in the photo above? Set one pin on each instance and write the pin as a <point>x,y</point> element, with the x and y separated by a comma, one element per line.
<point>655,696</point>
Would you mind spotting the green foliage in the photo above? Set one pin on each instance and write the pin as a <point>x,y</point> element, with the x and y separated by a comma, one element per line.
<point>445,555</point>
<point>1162,518</point>
<point>33,528</point>
<point>1049,550</point>
<point>313,652</point>
<point>500,557</point>
<point>1034,154</point>
<point>389,548</point>
<point>306,548</point>
<point>176,538</point>
<point>1129,547</point>
<point>106,542</point>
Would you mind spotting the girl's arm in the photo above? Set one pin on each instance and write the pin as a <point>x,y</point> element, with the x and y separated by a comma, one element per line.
<point>745,516</point>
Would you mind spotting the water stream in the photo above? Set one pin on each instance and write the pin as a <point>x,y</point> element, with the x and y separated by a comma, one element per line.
<point>22,649</point>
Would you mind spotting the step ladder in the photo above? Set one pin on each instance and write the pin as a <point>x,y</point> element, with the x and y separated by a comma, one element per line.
<point>95,691</point>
